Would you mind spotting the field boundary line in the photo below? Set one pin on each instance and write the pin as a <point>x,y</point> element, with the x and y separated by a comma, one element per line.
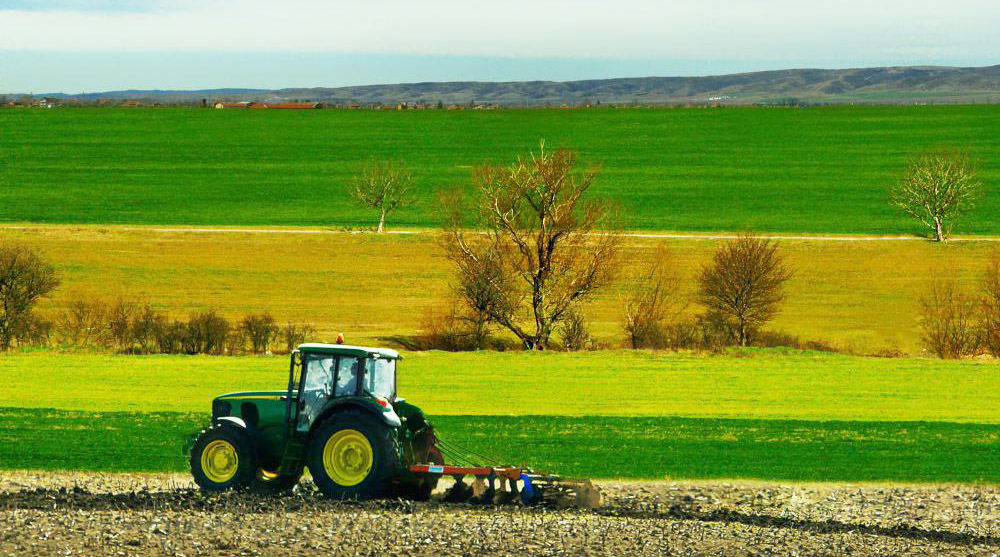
<point>649,235</point>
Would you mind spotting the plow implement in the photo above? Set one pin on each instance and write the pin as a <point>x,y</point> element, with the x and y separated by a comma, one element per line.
<point>512,484</point>
<point>501,484</point>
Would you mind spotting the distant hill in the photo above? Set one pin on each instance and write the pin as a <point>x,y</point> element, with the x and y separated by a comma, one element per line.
<point>882,85</point>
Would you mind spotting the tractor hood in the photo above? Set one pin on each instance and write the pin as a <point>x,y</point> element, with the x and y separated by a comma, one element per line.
<point>244,395</point>
<point>227,404</point>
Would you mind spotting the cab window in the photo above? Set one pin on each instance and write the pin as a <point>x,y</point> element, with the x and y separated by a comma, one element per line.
<point>380,377</point>
<point>347,376</point>
<point>319,373</point>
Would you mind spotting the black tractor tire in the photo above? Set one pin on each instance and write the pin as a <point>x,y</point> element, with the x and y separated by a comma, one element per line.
<point>273,486</point>
<point>377,481</point>
<point>233,454</point>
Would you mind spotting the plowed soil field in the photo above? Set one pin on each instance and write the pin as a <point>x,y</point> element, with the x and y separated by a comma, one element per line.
<point>104,514</point>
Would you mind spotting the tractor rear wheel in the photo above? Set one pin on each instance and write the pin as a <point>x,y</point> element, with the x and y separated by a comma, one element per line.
<point>222,458</point>
<point>351,456</point>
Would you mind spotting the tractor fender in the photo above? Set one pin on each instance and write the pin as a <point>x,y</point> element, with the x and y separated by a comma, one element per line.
<point>388,418</point>
<point>248,429</point>
<point>232,420</point>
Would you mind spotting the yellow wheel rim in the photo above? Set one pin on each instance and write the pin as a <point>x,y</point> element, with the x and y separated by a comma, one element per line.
<point>219,461</point>
<point>347,457</point>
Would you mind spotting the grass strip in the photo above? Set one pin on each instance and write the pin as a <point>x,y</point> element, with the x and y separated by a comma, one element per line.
<point>595,447</point>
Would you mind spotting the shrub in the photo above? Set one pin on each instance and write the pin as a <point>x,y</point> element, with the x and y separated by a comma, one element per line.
<point>718,330</point>
<point>236,342</point>
<point>170,335</point>
<point>948,319</point>
<point>293,335</point>
<point>206,333</point>
<point>446,328</point>
<point>989,317</point>
<point>573,332</point>
<point>34,331</point>
<point>650,301</point>
<point>120,316</point>
<point>144,328</point>
<point>260,331</point>
<point>83,322</point>
<point>684,334</point>
<point>775,339</point>
<point>825,346</point>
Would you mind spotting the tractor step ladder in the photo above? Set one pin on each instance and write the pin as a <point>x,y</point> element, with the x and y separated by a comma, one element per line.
<point>292,460</point>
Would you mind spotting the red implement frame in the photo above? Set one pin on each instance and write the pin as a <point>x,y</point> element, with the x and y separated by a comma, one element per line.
<point>484,471</point>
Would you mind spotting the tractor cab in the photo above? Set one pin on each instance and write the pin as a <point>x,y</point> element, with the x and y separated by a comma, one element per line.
<point>327,375</point>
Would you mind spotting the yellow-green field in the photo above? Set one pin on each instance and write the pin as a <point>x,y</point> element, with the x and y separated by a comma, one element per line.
<point>762,384</point>
<point>857,295</point>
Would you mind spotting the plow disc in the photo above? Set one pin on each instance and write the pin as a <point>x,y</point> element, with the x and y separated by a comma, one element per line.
<point>497,485</point>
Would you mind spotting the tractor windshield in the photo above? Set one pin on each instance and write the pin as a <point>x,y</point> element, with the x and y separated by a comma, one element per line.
<point>380,377</point>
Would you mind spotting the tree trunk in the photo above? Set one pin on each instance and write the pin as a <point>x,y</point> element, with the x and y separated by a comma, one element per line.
<point>381,223</point>
<point>938,230</point>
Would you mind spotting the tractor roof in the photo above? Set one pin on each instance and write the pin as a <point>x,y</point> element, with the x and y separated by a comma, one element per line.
<point>348,350</point>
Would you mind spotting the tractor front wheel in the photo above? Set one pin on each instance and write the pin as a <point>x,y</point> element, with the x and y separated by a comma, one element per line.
<point>351,456</point>
<point>222,458</point>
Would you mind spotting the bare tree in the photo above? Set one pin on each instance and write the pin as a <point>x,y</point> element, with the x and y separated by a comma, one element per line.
<point>24,278</point>
<point>948,319</point>
<point>938,187</point>
<point>650,299</point>
<point>383,186</point>
<point>744,285</point>
<point>542,248</point>
<point>989,314</point>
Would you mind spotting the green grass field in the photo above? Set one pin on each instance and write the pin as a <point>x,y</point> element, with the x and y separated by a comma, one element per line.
<point>781,170</point>
<point>593,447</point>
<point>764,414</point>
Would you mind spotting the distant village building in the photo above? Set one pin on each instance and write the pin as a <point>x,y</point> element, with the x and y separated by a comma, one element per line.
<point>287,106</point>
<point>221,105</point>
<point>47,102</point>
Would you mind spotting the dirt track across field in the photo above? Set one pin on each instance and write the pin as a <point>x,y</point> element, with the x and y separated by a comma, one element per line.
<point>103,514</point>
<point>654,235</point>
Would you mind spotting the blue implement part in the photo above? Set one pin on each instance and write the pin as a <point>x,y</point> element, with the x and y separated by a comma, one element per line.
<point>530,495</point>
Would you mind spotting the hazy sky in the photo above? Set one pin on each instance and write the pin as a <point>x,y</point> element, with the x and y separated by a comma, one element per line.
<point>94,45</point>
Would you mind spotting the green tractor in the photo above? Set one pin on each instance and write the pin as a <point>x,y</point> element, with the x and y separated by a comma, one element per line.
<point>339,417</point>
